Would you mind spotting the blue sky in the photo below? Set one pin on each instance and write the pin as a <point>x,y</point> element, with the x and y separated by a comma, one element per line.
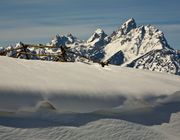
<point>37,21</point>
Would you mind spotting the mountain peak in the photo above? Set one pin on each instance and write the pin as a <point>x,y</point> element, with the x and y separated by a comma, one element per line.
<point>99,34</point>
<point>128,26</point>
<point>131,20</point>
<point>99,31</point>
<point>124,29</point>
<point>62,40</point>
<point>58,40</point>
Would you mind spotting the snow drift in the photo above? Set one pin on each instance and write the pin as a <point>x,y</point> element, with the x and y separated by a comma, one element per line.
<point>106,129</point>
<point>78,83</point>
<point>88,88</point>
<point>51,100</point>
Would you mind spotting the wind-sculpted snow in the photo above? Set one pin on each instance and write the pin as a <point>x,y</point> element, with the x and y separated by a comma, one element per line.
<point>105,129</point>
<point>173,126</point>
<point>51,100</point>
<point>85,88</point>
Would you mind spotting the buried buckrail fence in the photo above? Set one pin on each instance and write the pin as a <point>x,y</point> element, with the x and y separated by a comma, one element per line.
<point>24,49</point>
<point>62,56</point>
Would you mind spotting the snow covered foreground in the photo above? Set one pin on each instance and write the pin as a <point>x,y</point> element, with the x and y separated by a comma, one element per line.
<point>49,100</point>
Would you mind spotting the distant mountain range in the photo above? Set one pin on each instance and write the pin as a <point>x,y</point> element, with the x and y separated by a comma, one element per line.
<point>142,47</point>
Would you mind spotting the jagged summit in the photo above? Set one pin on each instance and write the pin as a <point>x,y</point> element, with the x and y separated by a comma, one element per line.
<point>98,38</point>
<point>128,26</point>
<point>99,31</point>
<point>124,29</point>
<point>62,40</point>
<point>137,42</point>
<point>98,34</point>
<point>59,40</point>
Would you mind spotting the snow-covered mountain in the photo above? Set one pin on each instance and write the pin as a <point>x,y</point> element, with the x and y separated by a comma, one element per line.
<point>135,42</point>
<point>62,40</point>
<point>96,44</point>
<point>99,38</point>
<point>143,47</point>
<point>159,60</point>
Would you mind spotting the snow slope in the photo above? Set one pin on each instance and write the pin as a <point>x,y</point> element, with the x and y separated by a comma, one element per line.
<point>51,100</point>
<point>99,88</point>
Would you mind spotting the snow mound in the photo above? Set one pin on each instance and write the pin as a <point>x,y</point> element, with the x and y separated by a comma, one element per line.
<point>90,91</point>
<point>86,101</point>
<point>45,105</point>
<point>106,129</point>
<point>77,87</point>
<point>173,127</point>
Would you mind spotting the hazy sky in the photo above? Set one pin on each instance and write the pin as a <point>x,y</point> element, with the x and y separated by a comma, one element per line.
<point>37,21</point>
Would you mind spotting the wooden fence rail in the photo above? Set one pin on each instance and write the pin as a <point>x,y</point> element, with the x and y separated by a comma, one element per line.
<point>23,50</point>
<point>59,56</point>
<point>25,46</point>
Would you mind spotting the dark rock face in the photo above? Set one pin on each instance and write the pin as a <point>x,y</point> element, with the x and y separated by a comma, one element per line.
<point>117,59</point>
<point>159,60</point>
